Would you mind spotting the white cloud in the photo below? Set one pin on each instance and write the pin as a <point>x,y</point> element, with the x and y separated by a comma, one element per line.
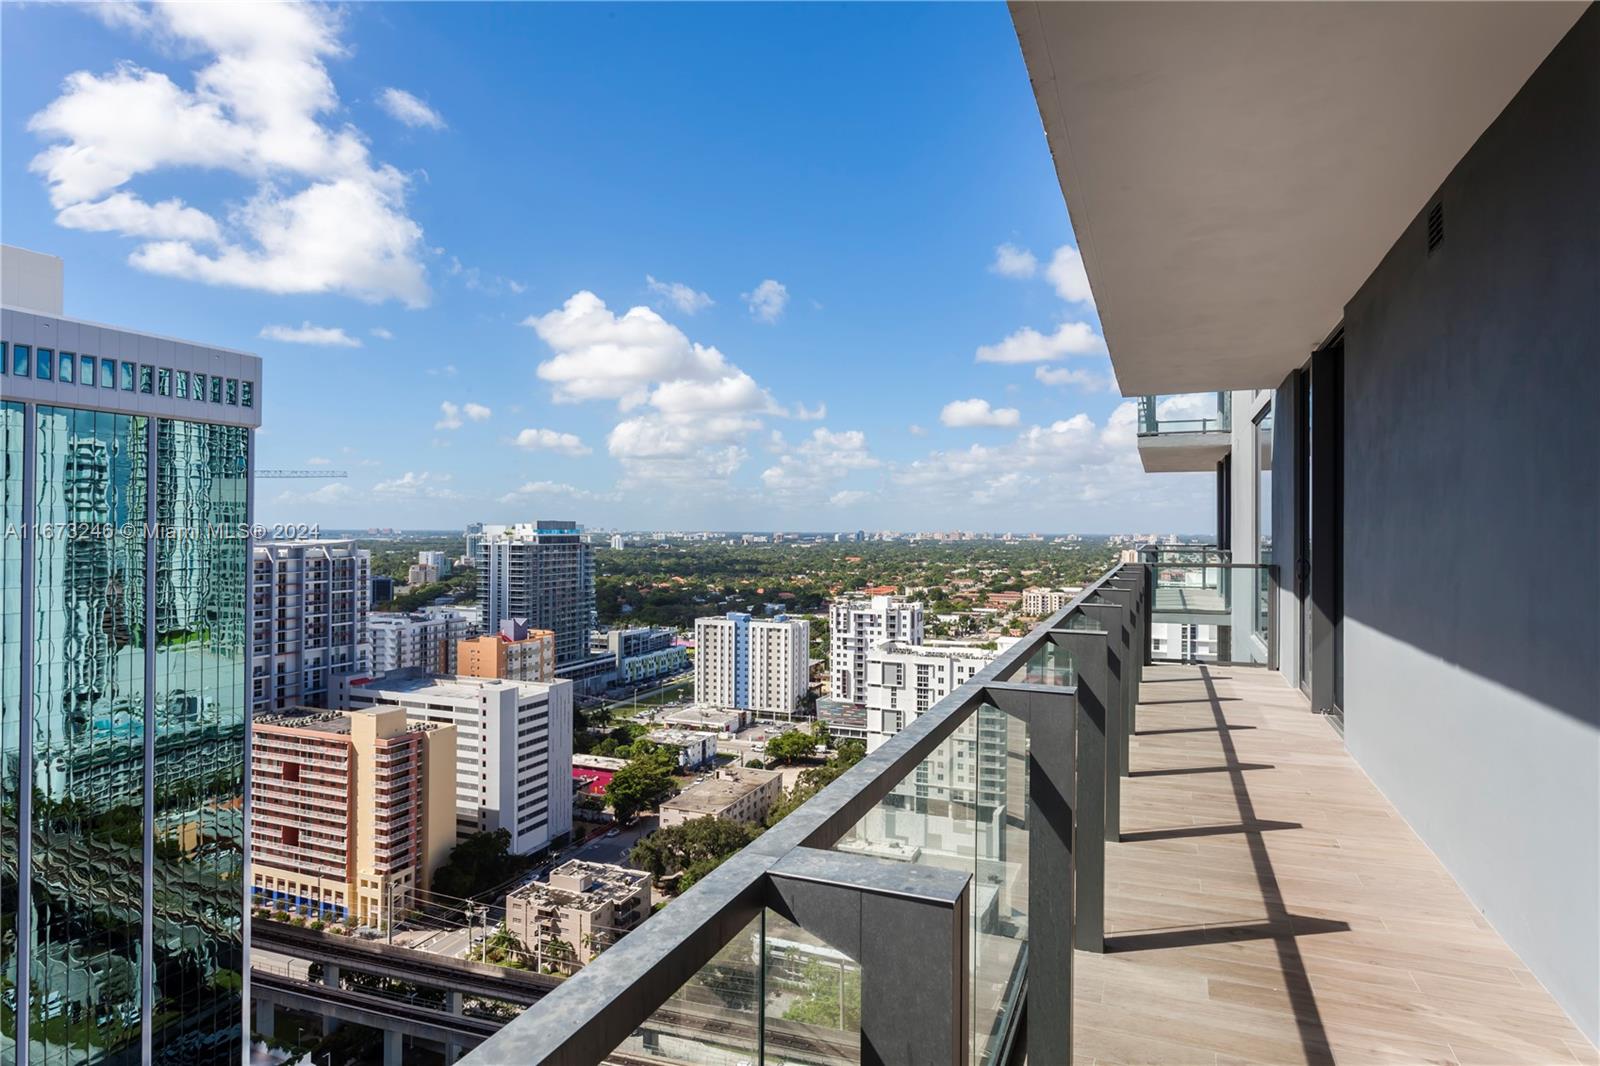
<point>452,413</point>
<point>845,497</point>
<point>767,300</point>
<point>554,488</point>
<point>601,356</point>
<point>733,393</point>
<point>815,414</point>
<point>654,447</point>
<point>306,333</point>
<point>819,462</point>
<point>447,371</point>
<point>1028,345</point>
<point>683,297</point>
<point>551,440</point>
<point>916,430</point>
<point>1013,262</point>
<point>403,107</point>
<point>977,412</point>
<point>317,460</point>
<point>381,333</point>
<point>474,279</point>
<point>1087,380</point>
<point>334,492</point>
<point>322,217</point>
<point>412,485</point>
<point>1067,274</point>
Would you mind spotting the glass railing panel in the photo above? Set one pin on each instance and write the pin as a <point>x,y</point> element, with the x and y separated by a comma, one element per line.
<point>812,999</point>
<point>1195,412</point>
<point>714,1019</point>
<point>1210,612</point>
<point>965,807</point>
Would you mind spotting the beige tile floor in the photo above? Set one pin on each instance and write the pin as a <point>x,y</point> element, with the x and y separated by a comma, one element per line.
<point>1273,908</point>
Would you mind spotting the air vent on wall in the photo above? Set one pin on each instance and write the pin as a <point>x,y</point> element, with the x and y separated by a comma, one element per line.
<point>1435,226</point>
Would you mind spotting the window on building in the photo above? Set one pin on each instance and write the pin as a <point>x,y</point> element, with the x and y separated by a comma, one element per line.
<point>147,380</point>
<point>127,377</point>
<point>181,384</point>
<point>5,358</point>
<point>233,392</point>
<point>21,360</point>
<point>216,389</point>
<point>86,370</point>
<point>67,368</point>
<point>247,397</point>
<point>47,358</point>
<point>108,373</point>
<point>163,382</point>
<point>200,387</point>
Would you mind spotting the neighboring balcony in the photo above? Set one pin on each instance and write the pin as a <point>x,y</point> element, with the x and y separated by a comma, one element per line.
<point>1184,434</point>
<point>1171,862</point>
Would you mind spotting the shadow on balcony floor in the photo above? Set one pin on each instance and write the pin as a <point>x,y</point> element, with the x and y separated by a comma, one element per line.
<point>1268,905</point>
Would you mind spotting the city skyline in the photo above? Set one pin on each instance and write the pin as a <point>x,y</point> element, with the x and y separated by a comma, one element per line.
<point>736,336</point>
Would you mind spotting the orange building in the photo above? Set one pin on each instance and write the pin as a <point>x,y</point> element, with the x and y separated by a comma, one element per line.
<point>516,653</point>
<point>351,811</point>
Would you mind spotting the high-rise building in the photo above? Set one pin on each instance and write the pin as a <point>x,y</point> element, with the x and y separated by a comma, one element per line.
<point>351,811</point>
<point>422,640</point>
<point>124,665</point>
<point>904,680</point>
<point>753,665</point>
<point>617,542</point>
<point>542,572</point>
<point>436,559</point>
<point>308,619</point>
<point>513,747</point>
<point>855,625</point>
<point>516,653</point>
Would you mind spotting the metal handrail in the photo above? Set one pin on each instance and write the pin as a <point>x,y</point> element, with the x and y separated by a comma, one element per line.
<point>593,1011</point>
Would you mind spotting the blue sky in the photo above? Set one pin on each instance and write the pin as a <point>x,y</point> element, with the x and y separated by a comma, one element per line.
<point>656,266</point>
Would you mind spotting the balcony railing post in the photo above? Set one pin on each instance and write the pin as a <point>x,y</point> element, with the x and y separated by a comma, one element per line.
<point>1125,595</point>
<point>1111,617</point>
<point>1096,779</point>
<point>910,929</point>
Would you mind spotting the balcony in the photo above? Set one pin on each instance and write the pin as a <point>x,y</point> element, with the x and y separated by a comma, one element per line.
<point>1186,433</point>
<point>1187,867</point>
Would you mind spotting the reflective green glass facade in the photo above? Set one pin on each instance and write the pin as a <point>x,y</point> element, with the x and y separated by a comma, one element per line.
<point>125,563</point>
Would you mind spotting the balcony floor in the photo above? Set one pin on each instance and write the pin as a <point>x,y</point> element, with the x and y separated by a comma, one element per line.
<point>1268,905</point>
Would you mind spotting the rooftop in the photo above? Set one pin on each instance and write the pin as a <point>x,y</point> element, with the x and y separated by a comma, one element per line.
<point>415,682</point>
<point>586,885</point>
<point>731,783</point>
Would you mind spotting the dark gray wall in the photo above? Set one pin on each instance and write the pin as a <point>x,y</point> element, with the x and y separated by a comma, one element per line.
<point>1472,528</point>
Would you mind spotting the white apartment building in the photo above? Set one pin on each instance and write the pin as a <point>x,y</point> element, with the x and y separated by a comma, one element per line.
<point>513,747</point>
<point>904,680</point>
<point>438,560</point>
<point>309,604</point>
<point>423,640</point>
<point>1183,642</point>
<point>421,574</point>
<point>855,626</point>
<point>617,542</point>
<point>542,572</point>
<point>757,665</point>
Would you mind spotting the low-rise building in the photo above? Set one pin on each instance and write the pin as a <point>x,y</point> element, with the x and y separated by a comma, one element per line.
<point>421,574</point>
<point>695,749</point>
<point>514,747</point>
<point>351,811</point>
<point>515,653</point>
<point>585,907</point>
<point>707,719</point>
<point>735,793</point>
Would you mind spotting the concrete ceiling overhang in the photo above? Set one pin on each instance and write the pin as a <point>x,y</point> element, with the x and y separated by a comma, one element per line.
<point>1235,171</point>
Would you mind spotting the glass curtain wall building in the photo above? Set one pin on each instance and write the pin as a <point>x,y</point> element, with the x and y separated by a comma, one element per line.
<point>123,695</point>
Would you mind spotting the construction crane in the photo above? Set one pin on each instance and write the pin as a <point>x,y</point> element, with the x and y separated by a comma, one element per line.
<point>302,473</point>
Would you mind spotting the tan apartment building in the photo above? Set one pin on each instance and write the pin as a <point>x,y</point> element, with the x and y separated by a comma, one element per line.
<point>516,653</point>
<point>586,905</point>
<point>736,793</point>
<point>351,811</point>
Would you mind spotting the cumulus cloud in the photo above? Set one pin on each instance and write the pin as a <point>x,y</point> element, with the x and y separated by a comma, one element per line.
<point>977,412</point>
<point>1028,345</point>
<point>381,333</point>
<point>1087,380</point>
<point>767,300</point>
<point>332,493</point>
<point>845,497</point>
<point>818,463</point>
<point>322,215</point>
<point>403,107</point>
<point>551,440</point>
<point>683,297</point>
<point>554,488</point>
<point>306,333</point>
<point>417,485</point>
<point>451,414</point>
<point>1067,274</point>
<point>1013,262</point>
